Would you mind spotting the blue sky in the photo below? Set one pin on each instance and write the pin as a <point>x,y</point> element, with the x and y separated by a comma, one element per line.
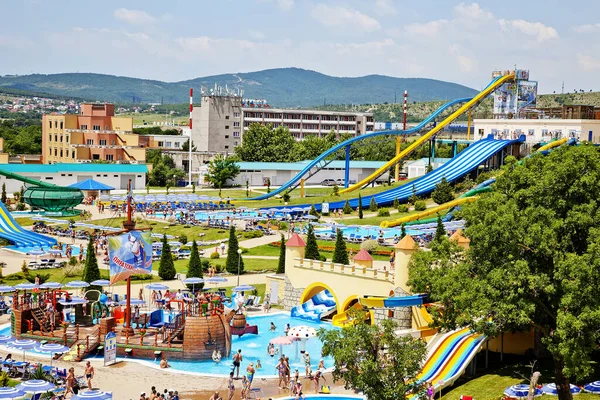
<point>177,40</point>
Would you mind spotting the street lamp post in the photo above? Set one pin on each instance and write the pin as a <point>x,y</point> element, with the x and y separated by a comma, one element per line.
<point>239,264</point>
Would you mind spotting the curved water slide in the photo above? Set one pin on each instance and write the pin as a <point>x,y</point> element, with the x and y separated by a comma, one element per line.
<point>321,162</point>
<point>13,232</point>
<point>499,81</point>
<point>465,162</point>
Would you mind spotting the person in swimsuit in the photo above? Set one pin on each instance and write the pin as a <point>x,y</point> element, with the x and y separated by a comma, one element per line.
<point>298,390</point>
<point>307,364</point>
<point>70,382</point>
<point>89,374</point>
<point>237,360</point>
<point>245,387</point>
<point>250,371</point>
<point>281,371</point>
<point>231,386</point>
<point>215,396</point>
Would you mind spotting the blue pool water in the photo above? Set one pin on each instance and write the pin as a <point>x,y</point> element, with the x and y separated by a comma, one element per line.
<point>222,215</point>
<point>373,231</point>
<point>254,347</point>
<point>27,249</point>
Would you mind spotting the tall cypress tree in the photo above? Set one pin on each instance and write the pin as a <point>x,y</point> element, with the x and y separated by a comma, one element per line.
<point>440,230</point>
<point>233,258</point>
<point>312,249</point>
<point>340,254</point>
<point>4,194</point>
<point>360,207</point>
<point>195,266</point>
<point>91,272</point>
<point>373,204</point>
<point>166,267</point>
<point>281,265</point>
<point>403,231</point>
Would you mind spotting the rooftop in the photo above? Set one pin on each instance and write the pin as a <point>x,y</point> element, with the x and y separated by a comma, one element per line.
<point>297,166</point>
<point>75,167</point>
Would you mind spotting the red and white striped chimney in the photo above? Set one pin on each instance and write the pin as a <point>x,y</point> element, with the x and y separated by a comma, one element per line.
<point>191,107</point>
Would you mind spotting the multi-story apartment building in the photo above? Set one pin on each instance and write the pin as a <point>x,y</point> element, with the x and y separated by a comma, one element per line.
<point>220,122</point>
<point>94,134</point>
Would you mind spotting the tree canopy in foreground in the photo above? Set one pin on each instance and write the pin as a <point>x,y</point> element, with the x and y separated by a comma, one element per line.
<point>374,360</point>
<point>534,260</point>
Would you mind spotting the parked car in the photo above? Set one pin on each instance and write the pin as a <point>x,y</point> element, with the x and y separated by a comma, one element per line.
<point>340,182</point>
<point>328,182</point>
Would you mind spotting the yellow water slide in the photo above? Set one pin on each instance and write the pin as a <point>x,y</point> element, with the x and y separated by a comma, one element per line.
<point>553,144</point>
<point>465,107</point>
<point>429,211</point>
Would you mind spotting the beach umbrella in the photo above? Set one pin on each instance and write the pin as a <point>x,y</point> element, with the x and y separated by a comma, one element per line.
<point>6,338</point>
<point>51,285</point>
<point>133,302</point>
<point>26,286</point>
<point>55,251</point>
<point>23,344</point>
<point>92,395</point>
<point>156,286</point>
<point>302,333</point>
<point>550,389</point>
<point>193,281</point>
<point>310,217</point>
<point>298,209</point>
<point>6,288</point>
<point>77,284</point>
<point>216,279</point>
<point>243,288</point>
<point>37,253</point>
<point>10,393</point>
<point>73,301</point>
<point>593,387</point>
<point>282,341</point>
<point>36,386</point>
<point>174,243</point>
<point>520,391</point>
<point>52,348</point>
<point>100,282</point>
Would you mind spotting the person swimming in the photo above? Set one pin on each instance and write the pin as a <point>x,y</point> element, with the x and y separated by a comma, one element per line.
<point>216,356</point>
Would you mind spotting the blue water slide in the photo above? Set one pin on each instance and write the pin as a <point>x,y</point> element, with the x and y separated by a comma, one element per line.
<point>317,305</point>
<point>342,145</point>
<point>14,233</point>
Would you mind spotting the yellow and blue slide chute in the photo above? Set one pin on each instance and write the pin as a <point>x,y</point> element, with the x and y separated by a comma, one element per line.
<point>393,302</point>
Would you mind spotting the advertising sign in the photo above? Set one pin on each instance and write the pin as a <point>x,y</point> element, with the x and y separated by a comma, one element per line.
<point>129,254</point>
<point>527,94</point>
<point>522,74</point>
<point>505,101</point>
<point>325,208</point>
<point>110,348</point>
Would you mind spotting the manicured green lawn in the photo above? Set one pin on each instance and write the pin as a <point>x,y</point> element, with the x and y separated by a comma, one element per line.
<point>250,264</point>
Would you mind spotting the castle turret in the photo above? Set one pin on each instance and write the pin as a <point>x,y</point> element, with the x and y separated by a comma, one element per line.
<point>404,250</point>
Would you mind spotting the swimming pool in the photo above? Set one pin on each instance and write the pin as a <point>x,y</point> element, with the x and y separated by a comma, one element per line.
<point>27,249</point>
<point>222,215</point>
<point>367,230</point>
<point>254,347</point>
<point>326,396</point>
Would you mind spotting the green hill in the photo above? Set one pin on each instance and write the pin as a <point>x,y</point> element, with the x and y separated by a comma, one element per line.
<point>283,87</point>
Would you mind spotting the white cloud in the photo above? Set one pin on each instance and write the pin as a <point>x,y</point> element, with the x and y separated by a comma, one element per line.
<point>431,28</point>
<point>588,63</point>
<point>385,7</point>
<point>285,5</point>
<point>588,28</point>
<point>341,17</point>
<point>538,30</point>
<point>258,35</point>
<point>374,46</point>
<point>472,11</point>
<point>464,62</point>
<point>136,17</point>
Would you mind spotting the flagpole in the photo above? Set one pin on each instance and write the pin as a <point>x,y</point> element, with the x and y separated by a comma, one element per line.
<point>128,225</point>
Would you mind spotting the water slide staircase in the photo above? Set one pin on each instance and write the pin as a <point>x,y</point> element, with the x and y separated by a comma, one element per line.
<point>41,319</point>
<point>317,306</point>
<point>14,233</point>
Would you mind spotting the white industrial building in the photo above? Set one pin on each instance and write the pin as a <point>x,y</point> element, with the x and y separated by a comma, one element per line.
<point>538,130</point>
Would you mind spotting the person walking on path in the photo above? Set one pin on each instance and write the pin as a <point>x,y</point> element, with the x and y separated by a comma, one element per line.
<point>89,374</point>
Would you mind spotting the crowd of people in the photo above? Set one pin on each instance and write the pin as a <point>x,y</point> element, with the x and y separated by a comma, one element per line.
<point>154,394</point>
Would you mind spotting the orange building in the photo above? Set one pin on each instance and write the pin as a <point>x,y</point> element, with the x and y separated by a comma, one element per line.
<point>94,134</point>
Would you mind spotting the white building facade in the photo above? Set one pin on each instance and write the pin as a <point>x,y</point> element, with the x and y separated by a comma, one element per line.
<point>538,130</point>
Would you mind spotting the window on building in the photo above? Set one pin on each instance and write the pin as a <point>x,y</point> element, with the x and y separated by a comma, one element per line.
<point>107,128</point>
<point>236,124</point>
<point>102,142</point>
<point>109,157</point>
<point>49,178</point>
<point>115,176</point>
<point>67,138</point>
<point>50,124</point>
<point>50,138</point>
<point>226,126</point>
<point>89,142</point>
<point>139,176</point>
<point>161,144</point>
<point>96,157</point>
<point>72,155</point>
<point>55,137</point>
<point>55,152</point>
<point>177,145</point>
<point>236,134</point>
<point>105,175</point>
<point>61,153</point>
<point>56,124</point>
<point>235,143</point>
<point>84,127</point>
<point>168,144</point>
<point>62,174</point>
<point>236,115</point>
<point>227,117</point>
<point>112,142</point>
<point>531,132</point>
<point>70,174</point>
<point>226,136</point>
<point>544,132</point>
<point>61,138</point>
<point>226,147</point>
<point>96,127</point>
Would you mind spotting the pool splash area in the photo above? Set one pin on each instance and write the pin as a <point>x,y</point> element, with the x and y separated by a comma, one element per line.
<point>254,348</point>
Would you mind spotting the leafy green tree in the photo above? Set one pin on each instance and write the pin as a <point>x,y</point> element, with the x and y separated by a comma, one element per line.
<point>360,207</point>
<point>313,211</point>
<point>440,230</point>
<point>443,192</point>
<point>281,263</point>
<point>221,169</point>
<point>363,367</point>
<point>403,231</point>
<point>4,199</point>
<point>533,255</point>
<point>234,262</point>
<point>186,146</point>
<point>429,168</point>
<point>312,249</point>
<point>396,203</point>
<point>195,266</point>
<point>265,144</point>
<point>166,267</point>
<point>91,272</point>
<point>413,197</point>
<point>21,201</point>
<point>268,185</point>
<point>286,196</point>
<point>340,254</point>
<point>335,190</point>
<point>373,204</point>
<point>347,209</point>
